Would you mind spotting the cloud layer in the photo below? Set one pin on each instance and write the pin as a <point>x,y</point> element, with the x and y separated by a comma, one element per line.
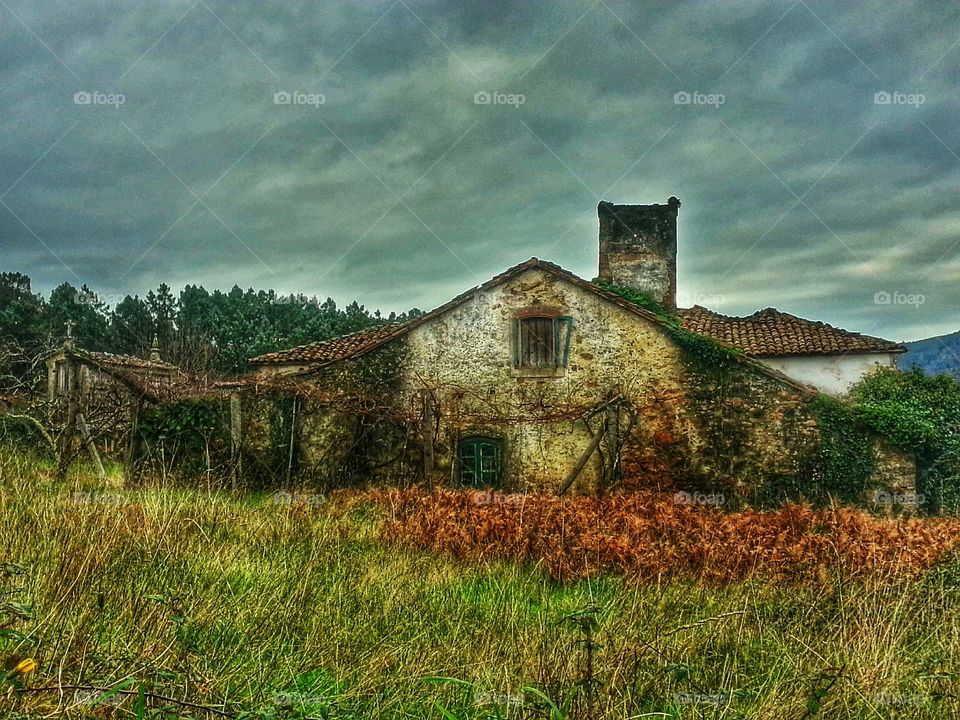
<point>400,152</point>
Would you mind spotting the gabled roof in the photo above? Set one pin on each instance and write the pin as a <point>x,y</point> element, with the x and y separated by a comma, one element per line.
<point>772,333</point>
<point>151,379</point>
<point>347,347</point>
<point>350,346</point>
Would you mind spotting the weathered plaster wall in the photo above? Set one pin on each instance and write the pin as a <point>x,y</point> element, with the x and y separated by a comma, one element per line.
<point>893,485</point>
<point>466,356</point>
<point>832,374</point>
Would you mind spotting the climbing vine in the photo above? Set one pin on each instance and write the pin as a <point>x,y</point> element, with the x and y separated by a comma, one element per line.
<point>702,348</point>
<point>189,421</point>
<point>845,458</point>
<point>192,428</point>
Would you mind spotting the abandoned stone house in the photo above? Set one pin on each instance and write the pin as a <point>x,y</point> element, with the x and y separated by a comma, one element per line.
<point>539,379</point>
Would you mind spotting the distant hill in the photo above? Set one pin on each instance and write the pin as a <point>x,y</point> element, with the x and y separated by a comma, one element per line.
<point>934,355</point>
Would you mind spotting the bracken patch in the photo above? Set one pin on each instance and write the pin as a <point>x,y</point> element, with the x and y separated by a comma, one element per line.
<point>650,537</point>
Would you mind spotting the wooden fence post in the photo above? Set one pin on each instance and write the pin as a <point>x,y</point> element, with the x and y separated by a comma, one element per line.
<point>133,443</point>
<point>428,439</point>
<point>293,435</point>
<point>66,438</point>
<point>91,446</point>
<point>236,435</point>
<point>581,463</point>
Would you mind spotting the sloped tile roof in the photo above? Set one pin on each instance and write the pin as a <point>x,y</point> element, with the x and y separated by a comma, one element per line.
<point>770,333</point>
<point>322,353</point>
<point>329,350</point>
<point>122,361</point>
<point>156,381</point>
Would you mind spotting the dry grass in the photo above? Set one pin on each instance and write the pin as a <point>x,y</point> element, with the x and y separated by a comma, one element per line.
<point>245,604</point>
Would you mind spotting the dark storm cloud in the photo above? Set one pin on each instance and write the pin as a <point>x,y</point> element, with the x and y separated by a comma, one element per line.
<point>799,190</point>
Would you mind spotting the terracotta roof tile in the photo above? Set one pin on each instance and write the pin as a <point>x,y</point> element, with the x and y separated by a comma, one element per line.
<point>320,353</point>
<point>329,350</point>
<point>156,381</point>
<point>770,333</point>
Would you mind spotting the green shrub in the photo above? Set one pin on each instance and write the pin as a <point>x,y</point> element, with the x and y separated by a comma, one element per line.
<point>918,413</point>
<point>845,458</point>
<point>25,434</point>
<point>193,428</point>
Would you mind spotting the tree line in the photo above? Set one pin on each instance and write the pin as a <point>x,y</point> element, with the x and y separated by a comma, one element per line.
<point>200,330</point>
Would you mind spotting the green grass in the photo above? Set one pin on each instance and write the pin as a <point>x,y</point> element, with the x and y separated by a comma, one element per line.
<point>271,611</point>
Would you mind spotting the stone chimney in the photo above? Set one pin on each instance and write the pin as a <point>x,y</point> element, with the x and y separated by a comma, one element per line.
<point>638,248</point>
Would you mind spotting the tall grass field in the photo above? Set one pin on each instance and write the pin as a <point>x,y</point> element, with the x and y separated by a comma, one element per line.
<point>172,602</point>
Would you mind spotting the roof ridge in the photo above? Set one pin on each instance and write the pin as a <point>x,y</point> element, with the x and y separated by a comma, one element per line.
<point>94,354</point>
<point>779,333</point>
<point>772,332</point>
<point>557,271</point>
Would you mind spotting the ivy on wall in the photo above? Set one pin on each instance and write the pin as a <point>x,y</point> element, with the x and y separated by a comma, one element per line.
<point>918,413</point>
<point>845,458</point>
<point>701,347</point>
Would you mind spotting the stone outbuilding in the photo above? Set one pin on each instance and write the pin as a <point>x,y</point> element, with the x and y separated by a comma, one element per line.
<point>97,397</point>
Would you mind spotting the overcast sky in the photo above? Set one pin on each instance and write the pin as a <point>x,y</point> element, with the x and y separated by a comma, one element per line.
<point>346,148</point>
